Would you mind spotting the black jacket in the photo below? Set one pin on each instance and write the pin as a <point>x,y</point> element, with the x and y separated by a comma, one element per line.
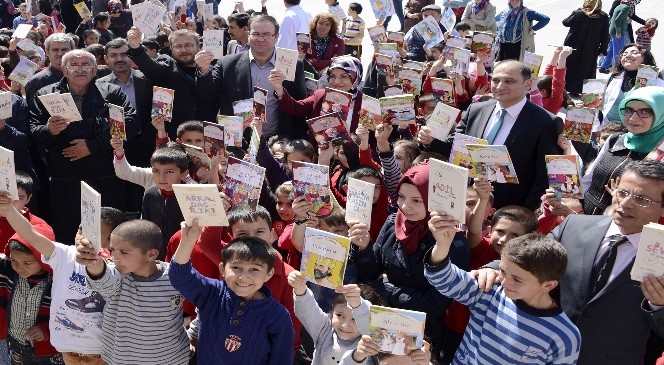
<point>18,142</point>
<point>164,212</point>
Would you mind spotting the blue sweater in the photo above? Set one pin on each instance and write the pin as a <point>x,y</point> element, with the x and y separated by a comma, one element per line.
<point>502,331</point>
<point>233,330</point>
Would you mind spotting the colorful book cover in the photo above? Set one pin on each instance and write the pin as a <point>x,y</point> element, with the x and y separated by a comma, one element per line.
<point>336,101</point>
<point>213,139</point>
<point>260,103</point>
<point>213,41</point>
<point>650,254</point>
<point>534,63</point>
<point>243,182</point>
<point>245,110</point>
<point>117,122</point>
<point>430,31</point>
<point>399,109</point>
<point>8,173</point>
<point>385,64</point>
<point>564,175</point>
<point>312,181</point>
<point>324,258</point>
<point>441,120</point>
<point>388,48</point>
<point>286,62</point>
<point>5,105</point>
<point>411,81</point>
<point>482,42</point>
<point>593,93</point>
<point>493,162</point>
<point>579,124</point>
<point>457,42</point>
<point>233,129</point>
<point>91,215</point>
<point>23,71</point>
<point>162,102</point>
<point>82,10</point>
<point>382,8</point>
<point>359,201</point>
<point>370,113</point>
<point>414,65</point>
<point>396,331</point>
<point>448,184</point>
<point>303,43</point>
<point>201,202</point>
<point>396,37</point>
<point>459,154</point>
<point>443,89</point>
<point>377,33</point>
<point>457,60</point>
<point>646,76</point>
<point>328,128</point>
<point>658,153</point>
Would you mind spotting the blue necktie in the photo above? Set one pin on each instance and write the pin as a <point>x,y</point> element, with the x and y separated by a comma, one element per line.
<point>495,128</point>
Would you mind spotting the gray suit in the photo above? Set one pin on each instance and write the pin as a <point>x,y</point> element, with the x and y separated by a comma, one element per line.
<point>614,326</point>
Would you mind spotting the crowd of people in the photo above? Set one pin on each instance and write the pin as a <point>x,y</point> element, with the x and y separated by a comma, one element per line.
<point>532,276</point>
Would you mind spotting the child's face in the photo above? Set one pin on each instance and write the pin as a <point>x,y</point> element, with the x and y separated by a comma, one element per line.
<point>651,23</point>
<point>258,228</point>
<point>277,150</point>
<point>472,199</point>
<point>520,284</point>
<point>23,200</point>
<point>193,138</point>
<point>129,258</point>
<point>464,33</point>
<point>410,202</point>
<point>296,156</point>
<point>352,12</point>
<point>91,39</point>
<point>503,231</point>
<point>402,158</point>
<point>245,278</point>
<point>106,235</point>
<point>25,264</point>
<point>165,175</point>
<point>341,230</point>
<point>377,186</point>
<point>104,24</point>
<point>285,207</point>
<point>544,93</point>
<point>343,323</point>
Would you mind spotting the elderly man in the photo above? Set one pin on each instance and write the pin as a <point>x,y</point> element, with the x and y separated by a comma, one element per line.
<point>79,150</point>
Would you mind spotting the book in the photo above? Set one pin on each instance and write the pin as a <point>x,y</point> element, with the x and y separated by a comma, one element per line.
<point>23,71</point>
<point>459,154</point>
<point>233,129</point>
<point>147,16</point>
<point>245,110</point>
<point>457,42</point>
<point>482,42</point>
<point>411,81</point>
<point>286,62</point>
<point>197,155</point>
<point>213,139</point>
<point>162,102</point>
<point>328,128</point>
<point>534,63</point>
<point>579,124</point>
<point>385,64</point>
<point>396,37</point>
<point>201,202</point>
<point>260,104</point>
<point>5,105</point>
<point>22,30</point>
<point>593,93</point>
<point>61,105</point>
<point>324,257</point>
<point>200,9</point>
<point>396,331</point>
<point>448,184</point>
<point>117,122</point>
<point>382,8</point>
<point>337,101</point>
<point>377,33</point>
<point>564,175</point>
<point>254,143</point>
<point>448,19</point>
<point>650,253</point>
<point>414,65</point>
<point>429,29</point>
<point>8,173</point>
<point>370,113</point>
<point>493,162</point>
<point>389,49</point>
<point>213,41</point>
<point>303,43</point>
<point>441,120</point>
<point>243,182</point>
<point>399,109</point>
<point>443,89</point>
<point>312,181</point>
<point>27,44</point>
<point>657,154</point>
<point>91,215</point>
<point>83,10</point>
<point>359,201</point>
<point>457,60</point>
<point>646,76</point>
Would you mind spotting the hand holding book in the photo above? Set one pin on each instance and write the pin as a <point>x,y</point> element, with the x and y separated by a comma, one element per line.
<point>297,281</point>
<point>276,79</point>
<point>653,290</point>
<point>359,234</point>
<point>352,294</point>
<point>443,228</point>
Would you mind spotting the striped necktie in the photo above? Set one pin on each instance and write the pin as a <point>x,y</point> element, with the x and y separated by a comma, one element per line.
<point>495,128</point>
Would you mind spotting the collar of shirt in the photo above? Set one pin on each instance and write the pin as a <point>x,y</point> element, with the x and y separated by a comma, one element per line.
<point>130,81</point>
<point>633,238</point>
<point>515,109</point>
<point>272,60</point>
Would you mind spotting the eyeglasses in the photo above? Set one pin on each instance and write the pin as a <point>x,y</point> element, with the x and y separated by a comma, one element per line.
<point>640,200</point>
<point>641,113</point>
<point>261,35</point>
<point>80,67</point>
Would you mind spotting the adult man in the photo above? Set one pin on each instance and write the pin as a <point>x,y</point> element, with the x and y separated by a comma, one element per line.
<point>236,75</point>
<point>79,150</point>
<point>178,73</point>
<point>296,20</point>
<point>528,131</point>
<point>238,28</point>
<point>415,41</point>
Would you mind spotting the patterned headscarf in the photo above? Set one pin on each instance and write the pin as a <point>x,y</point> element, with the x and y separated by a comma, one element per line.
<point>352,66</point>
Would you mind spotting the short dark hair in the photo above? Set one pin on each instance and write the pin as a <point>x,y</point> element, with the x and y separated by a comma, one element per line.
<point>170,155</point>
<point>112,217</point>
<point>365,172</point>
<point>356,7</point>
<point>115,44</point>
<point>267,18</point>
<point>244,213</point>
<point>150,43</point>
<point>292,2</point>
<point>140,233</point>
<point>336,218</point>
<point>101,17</point>
<point>240,19</point>
<point>300,145</point>
<point>647,169</point>
<point>249,249</point>
<point>87,32</point>
<point>524,70</point>
<point>24,181</point>
<point>96,49</point>
<point>540,255</point>
<point>189,126</point>
<point>462,27</point>
<point>519,214</point>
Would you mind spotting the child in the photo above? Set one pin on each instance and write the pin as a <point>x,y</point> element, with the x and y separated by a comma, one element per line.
<point>551,87</point>
<point>368,352</point>
<point>284,194</point>
<point>25,186</point>
<point>189,132</point>
<point>110,218</point>
<point>644,34</point>
<point>143,310</point>
<point>102,21</point>
<point>240,322</point>
<point>353,30</point>
<point>25,17</point>
<point>533,327</point>
<point>90,37</point>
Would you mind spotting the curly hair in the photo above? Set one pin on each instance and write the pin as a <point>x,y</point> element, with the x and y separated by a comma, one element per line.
<point>334,26</point>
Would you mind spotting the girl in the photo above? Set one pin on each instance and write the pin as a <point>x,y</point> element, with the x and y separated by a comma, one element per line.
<point>644,34</point>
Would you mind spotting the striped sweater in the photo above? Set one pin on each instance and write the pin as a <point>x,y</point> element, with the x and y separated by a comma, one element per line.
<point>143,322</point>
<point>502,331</point>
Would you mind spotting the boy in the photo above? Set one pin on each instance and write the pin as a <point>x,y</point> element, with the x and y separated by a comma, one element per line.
<point>240,322</point>
<point>284,207</point>
<point>25,186</point>
<point>353,30</point>
<point>517,322</point>
<point>110,218</point>
<point>143,321</point>
<point>189,132</point>
<point>169,166</point>
<point>90,37</point>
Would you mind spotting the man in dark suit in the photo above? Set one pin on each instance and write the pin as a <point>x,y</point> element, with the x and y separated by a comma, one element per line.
<point>528,131</point>
<point>235,76</point>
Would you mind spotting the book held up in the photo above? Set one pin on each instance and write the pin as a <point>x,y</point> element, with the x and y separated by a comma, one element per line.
<point>201,202</point>
<point>650,254</point>
<point>324,257</point>
<point>493,162</point>
<point>91,215</point>
<point>243,182</point>
<point>564,175</point>
<point>8,173</point>
<point>359,201</point>
<point>312,181</point>
<point>396,331</point>
<point>448,184</point>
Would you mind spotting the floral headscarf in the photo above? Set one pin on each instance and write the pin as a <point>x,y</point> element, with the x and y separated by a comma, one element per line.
<point>352,66</point>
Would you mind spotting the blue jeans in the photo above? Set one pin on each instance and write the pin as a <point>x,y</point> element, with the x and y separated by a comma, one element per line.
<point>613,53</point>
<point>4,353</point>
<point>398,9</point>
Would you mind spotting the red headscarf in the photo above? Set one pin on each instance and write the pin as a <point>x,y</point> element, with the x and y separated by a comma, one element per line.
<point>45,231</point>
<point>411,233</point>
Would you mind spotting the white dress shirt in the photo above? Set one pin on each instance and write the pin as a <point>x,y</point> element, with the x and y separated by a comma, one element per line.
<point>296,20</point>
<point>626,252</point>
<point>508,122</point>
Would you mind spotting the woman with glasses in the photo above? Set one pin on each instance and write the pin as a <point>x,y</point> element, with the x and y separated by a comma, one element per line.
<point>325,42</point>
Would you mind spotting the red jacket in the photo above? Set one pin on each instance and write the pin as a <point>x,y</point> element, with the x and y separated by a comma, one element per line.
<point>555,101</point>
<point>6,231</point>
<point>311,106</point>
<point>460,99</point>
<point>335,48</point>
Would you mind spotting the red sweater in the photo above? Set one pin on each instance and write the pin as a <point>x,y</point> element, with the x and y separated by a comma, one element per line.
<point>6,231</point>
<point>460,99</point>
<point>555,101</point>
<point>335,48</point>
<point>311,106</point>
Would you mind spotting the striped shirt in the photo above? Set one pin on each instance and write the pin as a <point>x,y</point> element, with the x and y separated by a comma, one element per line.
<point>502,331</point>
<point>143,321</point>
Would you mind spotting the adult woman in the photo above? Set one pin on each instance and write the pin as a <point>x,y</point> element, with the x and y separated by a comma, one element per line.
<point>325,43</point>
<point>632,4</point>
<point>480,15</point>
<point>515,31</point>
<point>618,29</point>
<point>121,20</point>
<point>398,253</point>
<point>589,36</point>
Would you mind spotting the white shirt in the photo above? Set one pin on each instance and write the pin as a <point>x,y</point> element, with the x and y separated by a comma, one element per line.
<point>508,122</point>
<point>626,252</point>
<point>296,20</point>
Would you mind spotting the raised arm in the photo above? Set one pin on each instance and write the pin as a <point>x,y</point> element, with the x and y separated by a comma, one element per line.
<point>23,227</point>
